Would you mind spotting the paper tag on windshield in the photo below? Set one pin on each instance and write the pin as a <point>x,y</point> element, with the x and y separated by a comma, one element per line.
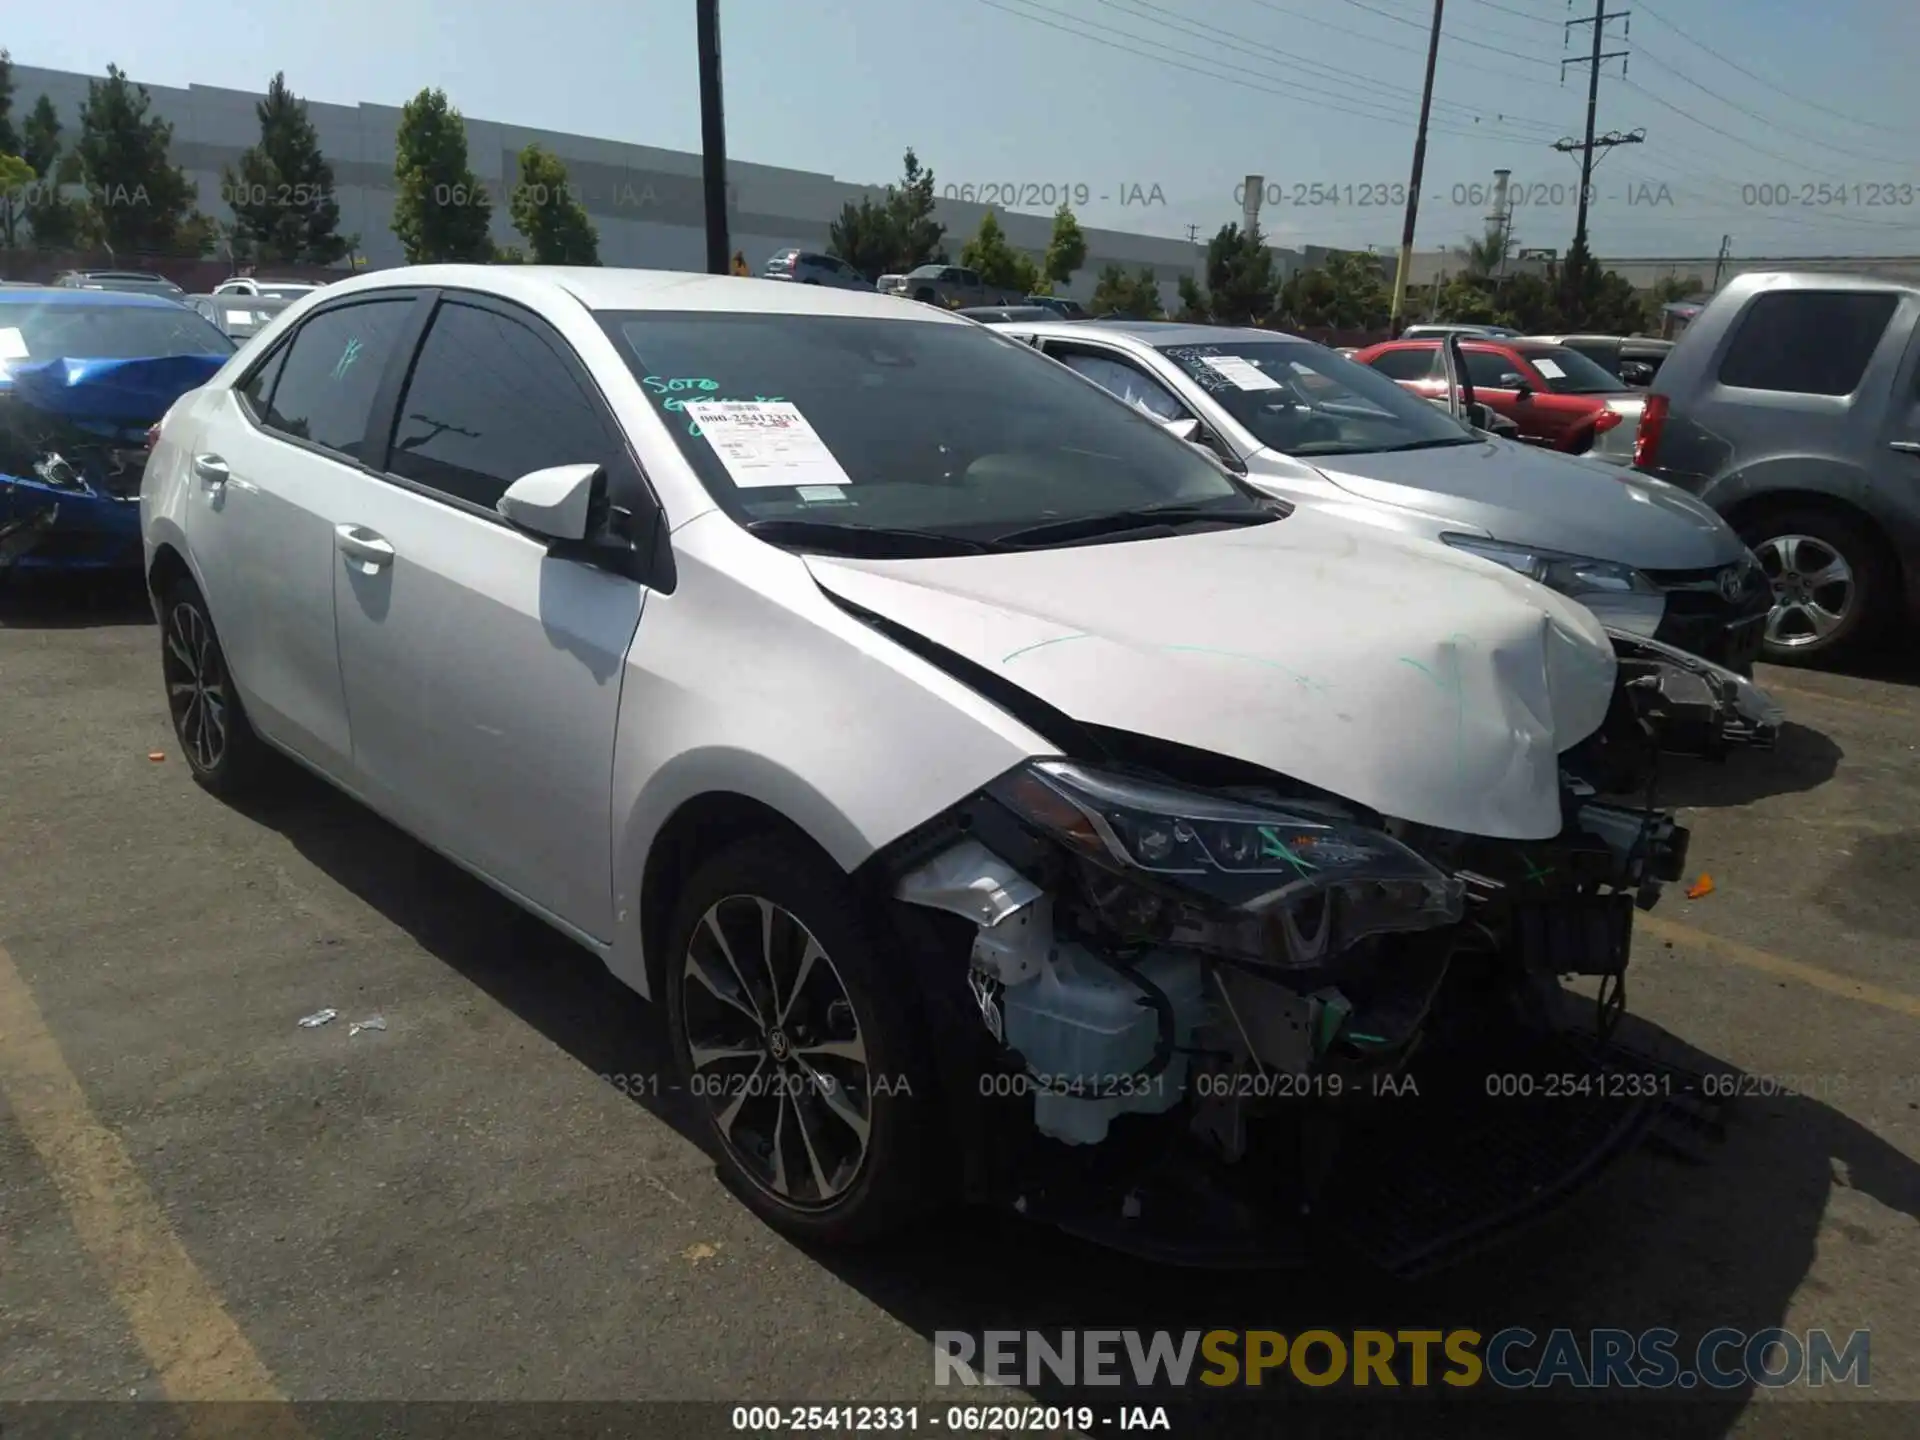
<point>1242,372</point>
<point>1549,369</point>
<point>766,444</point>
<point>13,345</point>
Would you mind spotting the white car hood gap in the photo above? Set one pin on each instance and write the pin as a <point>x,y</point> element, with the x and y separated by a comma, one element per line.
<point>1429,686</point>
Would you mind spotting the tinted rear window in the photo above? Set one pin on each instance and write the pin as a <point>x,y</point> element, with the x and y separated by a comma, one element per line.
<point>1812,342</point>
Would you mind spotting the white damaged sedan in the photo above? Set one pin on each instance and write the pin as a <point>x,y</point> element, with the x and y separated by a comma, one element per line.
<point>1005,800</point>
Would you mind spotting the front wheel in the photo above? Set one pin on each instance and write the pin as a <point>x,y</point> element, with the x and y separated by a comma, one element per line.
<point>1831,584</point>
<point>798,1043</point>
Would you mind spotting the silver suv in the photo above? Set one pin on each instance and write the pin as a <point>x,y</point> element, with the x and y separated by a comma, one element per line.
<point>1792,406</point>
<point>809,267</point>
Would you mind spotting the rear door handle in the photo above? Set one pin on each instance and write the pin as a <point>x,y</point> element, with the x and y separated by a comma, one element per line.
<point>359,543</point>
<point>1911,447</point>
<point>211,471</point>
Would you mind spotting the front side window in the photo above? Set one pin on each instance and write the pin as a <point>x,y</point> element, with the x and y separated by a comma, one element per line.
<point>926,425</point>
<point>1301,399</point>
<point>1491,370</point>
<point>1416,364</point>
<point>490,401</point>
<point>326,389</point>
<point>1119,378</point>
<point>1811,342</point>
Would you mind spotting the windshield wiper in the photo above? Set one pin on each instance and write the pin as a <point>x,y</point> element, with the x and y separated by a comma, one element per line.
<point>1149,517</point>
<point>1445,442</point>
<point>874,542</point>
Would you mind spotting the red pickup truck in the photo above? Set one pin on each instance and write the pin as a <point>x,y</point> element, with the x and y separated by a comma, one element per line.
<point>1558,397</point>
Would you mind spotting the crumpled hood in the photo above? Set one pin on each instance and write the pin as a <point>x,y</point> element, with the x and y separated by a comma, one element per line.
<point>1430,686</point>
<point>125,392</point>
<point>1531,496</point>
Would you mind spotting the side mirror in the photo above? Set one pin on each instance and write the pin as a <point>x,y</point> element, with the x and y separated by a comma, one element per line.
<point>1187,429</point>
<point>563,502</point>
<point>1479,416</point>
<point>1521,390</point>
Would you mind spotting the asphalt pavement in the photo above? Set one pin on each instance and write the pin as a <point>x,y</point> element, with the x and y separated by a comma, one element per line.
<point>202,1200</point>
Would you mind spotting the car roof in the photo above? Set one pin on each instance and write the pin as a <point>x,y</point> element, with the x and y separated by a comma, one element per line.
<point>65,295</point>
<point>1176,332</point>
<point>1752,281</point>
<point>597,288</point>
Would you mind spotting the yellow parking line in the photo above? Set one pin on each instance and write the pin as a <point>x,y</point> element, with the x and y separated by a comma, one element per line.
<point>1765,960</point>
<point>177,1319</point>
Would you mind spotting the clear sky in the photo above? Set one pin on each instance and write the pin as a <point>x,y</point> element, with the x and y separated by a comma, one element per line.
<point>1789,125</point>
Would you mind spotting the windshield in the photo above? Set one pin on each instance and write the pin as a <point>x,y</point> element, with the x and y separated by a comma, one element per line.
<point>1568,372</point>
<point>105,332</point>
<point>284,292</point>
<point>1301,399</point>
<point>903,424</point>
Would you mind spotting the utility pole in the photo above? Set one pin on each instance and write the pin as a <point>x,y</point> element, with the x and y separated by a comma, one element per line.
<point>1601,15</point>
<point>1419,169</point>
<point>1720,262</point>
<point>713,135</point>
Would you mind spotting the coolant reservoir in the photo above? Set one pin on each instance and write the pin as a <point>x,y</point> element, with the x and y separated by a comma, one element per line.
<point>1084,1028</point>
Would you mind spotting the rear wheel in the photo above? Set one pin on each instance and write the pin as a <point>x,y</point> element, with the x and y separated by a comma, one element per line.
<point>216,739</point>
<point>796,1044</point>
<point>1831,583</point>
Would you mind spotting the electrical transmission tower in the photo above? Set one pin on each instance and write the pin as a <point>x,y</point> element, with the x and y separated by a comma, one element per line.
<point>1586,148</point>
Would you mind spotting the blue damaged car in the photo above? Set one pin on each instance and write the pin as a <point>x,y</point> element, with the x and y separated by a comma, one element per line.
<point>83,375</point>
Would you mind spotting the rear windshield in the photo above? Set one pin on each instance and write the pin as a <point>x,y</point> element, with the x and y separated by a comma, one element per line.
<point>1567,371</point>
<point>926,425</point>
<point>105,332</point>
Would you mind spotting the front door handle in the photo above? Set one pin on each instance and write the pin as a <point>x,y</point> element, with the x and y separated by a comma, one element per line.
<point>211,471</point>
<point>1911,447</point>
<point>359,543</point>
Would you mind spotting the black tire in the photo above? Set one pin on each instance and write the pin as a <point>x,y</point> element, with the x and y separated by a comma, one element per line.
<point>209,721</point>
<point>1772,535</point>
<point>784,1130</point>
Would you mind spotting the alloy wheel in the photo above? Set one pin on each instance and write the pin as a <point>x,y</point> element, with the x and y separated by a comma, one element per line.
<point>1814,591</point>
<point>776,1051</point>
<point>196,685</point>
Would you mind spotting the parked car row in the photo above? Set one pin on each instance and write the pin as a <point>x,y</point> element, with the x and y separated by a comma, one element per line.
<point>989,777</point>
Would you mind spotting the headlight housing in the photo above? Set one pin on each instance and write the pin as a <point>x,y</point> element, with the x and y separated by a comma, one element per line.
<point>1286,882</point>
<point>1576,576</point>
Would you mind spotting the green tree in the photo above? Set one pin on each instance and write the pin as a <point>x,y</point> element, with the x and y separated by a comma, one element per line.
<point>9,137</point>
<point>1194,306</point>
<point>1066,250</point>
<point>12,198</point>
<point>997,262</point>
<point>863,237</point>
<point>919,239</point>
<point>140,201</point>
<point>1240,279</point>
<point>282,193</point>
<point>1118,293</point>
<point>549,215</point>
<point>1344,292</point>
<point>442,211</point>
<point>1486,255</point>
<point>54,220</point>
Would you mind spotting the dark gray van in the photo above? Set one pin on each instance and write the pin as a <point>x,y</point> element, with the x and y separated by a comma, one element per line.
<point>1792,406</point>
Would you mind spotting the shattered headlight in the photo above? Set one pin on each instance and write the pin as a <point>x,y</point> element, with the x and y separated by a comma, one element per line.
<point>1575,576</point>
<point>1321,880</point>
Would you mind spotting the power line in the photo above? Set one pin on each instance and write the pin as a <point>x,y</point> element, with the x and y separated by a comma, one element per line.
<point>1773,85</point>
<point>1536,58</point>
<point>1509,10</point>
<point>1292,91</point>
<point>1504,74</point>
<point>1770,122</point>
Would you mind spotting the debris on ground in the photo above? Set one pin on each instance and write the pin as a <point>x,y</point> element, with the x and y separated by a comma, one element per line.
<point>376,1022</point>
<point>1701,888</point>
<point>156,755</point>
<point>699,1252</point>
<point>317,1019</point>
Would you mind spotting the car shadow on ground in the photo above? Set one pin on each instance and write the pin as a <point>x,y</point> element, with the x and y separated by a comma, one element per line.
<point>31,600</point>
<point>1802,759</point>
<point>1894,660</point>
<point>1728,1241</point>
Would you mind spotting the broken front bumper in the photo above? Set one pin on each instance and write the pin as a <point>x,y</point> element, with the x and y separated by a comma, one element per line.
<point>70,526</point>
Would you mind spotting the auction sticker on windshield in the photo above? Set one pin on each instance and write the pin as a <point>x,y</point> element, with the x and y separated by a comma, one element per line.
<point>766,444</point>
<point>13,345</point>
<point>1241,371</point>
<point>1549,369</point>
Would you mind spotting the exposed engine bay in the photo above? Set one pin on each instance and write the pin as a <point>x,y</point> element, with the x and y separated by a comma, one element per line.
<point>1221,1009</point>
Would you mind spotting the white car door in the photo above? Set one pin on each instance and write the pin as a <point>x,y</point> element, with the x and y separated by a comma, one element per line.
<point>266,471</point>
<point>482,672</point>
